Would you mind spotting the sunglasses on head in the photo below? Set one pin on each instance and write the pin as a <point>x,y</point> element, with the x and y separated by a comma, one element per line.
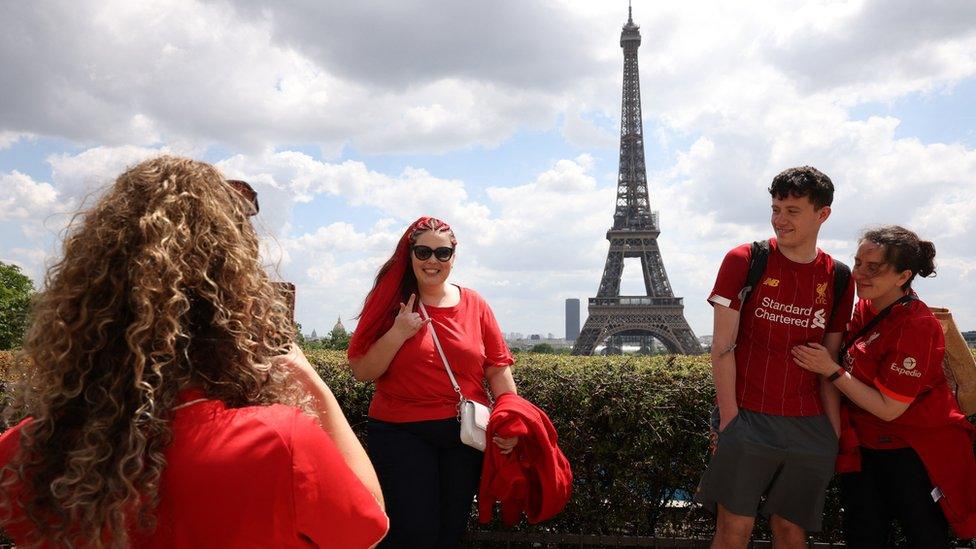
<point>423,253</point>
<point>249,194</point>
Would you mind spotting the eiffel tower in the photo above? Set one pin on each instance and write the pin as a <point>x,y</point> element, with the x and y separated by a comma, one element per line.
<point>617,319</point>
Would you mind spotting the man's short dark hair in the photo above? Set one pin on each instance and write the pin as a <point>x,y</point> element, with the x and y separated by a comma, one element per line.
<point>803,181</point>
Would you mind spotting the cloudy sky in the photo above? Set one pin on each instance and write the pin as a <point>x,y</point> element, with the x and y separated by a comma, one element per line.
<point>351,119</point>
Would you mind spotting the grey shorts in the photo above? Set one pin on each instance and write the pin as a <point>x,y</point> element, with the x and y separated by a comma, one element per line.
<point>773,465</point>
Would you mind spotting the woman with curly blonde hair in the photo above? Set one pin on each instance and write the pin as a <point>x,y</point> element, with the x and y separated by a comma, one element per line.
<point>161,394</point>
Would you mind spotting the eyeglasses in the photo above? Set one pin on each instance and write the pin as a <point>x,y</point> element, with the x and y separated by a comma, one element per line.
<point>870,269</point>
<point>423,253</point>
<point>249,194</point>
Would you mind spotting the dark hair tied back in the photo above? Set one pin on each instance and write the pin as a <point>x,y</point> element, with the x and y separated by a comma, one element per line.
<point>926,258</point>
<point>904,251</point>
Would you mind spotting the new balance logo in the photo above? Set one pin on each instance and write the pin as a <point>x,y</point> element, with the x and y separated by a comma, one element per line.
<point>771,282</point>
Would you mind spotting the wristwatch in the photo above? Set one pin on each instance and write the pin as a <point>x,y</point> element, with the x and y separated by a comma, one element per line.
<point>834,376</point>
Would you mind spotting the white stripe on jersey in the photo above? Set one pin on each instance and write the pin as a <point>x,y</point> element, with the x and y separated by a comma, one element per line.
<point>719,300</point>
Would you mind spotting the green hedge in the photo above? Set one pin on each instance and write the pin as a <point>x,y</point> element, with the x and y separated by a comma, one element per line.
<point>633,428</point>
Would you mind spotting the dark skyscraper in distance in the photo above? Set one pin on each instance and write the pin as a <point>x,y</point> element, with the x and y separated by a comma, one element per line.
<point>572,319</point>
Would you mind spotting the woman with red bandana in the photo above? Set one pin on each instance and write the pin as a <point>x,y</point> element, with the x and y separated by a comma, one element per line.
<point>428,476</point>
<point>906,449</point>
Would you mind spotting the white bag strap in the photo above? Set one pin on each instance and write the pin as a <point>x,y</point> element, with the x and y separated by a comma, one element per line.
<point>440,351</point>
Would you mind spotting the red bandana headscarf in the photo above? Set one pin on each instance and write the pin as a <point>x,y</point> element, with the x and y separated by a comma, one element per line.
<point>385,297</point>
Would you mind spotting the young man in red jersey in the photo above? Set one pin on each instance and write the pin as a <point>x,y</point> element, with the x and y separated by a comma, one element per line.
<point>776,424</point>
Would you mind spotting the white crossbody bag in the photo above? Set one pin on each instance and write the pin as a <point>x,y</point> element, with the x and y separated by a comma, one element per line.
<point>472,415</point>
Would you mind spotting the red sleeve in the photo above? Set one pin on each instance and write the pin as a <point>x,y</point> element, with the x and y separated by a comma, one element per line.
<point>332,507</point>
<point>10,442</point>
<point>496,350</point>
<point>840,318</point>
<point>916,351</point>
<point>731,278</point>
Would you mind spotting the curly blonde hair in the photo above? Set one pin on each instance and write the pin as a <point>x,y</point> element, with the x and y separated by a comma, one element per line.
<point>160,288</point>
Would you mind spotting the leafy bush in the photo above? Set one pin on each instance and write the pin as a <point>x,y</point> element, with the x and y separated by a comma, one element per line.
<point>16,290</point>
<point>634,429</point>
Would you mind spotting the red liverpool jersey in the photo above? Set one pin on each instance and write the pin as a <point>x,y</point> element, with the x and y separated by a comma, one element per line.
<point>791,306</point>
<point>902,357</point>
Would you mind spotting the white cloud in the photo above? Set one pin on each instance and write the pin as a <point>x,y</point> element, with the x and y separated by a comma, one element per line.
<point>286,177</point>
<point>508,248</point>
<point>8,138</point>
<point>93,170</point>
<point>119,72</point>
<point>21,197</point>
<point>752,87</point>
<point>585,133</point>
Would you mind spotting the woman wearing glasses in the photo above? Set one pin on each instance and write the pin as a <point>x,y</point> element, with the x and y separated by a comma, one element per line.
<point>428,475</point>
<point>906,449</point>
<point>165,406</point>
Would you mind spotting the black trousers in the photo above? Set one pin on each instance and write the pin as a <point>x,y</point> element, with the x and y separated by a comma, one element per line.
<point>429,478</point>
<point>892,485</point>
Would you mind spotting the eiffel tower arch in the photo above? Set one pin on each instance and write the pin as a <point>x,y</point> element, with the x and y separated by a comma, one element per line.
<point>657,314</point>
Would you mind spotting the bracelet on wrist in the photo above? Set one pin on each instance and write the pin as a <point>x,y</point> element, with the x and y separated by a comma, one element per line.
<point>836,375</point>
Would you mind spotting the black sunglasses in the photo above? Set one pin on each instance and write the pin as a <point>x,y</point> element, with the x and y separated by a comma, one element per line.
<point>423,253</point>
<point>248,193</point>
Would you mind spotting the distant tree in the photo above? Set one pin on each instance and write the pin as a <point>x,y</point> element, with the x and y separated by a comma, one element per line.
<point>338,340</point>
<point>544,348</point>
<point>16,290</point>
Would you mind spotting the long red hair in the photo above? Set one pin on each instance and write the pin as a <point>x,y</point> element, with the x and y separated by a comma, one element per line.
<point>394,283</point>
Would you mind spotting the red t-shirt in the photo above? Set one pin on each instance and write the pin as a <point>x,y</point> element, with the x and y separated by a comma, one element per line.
<point>902,357</point>
<point>791,306</point>
<point>415,387</point>
<point>262,476</point>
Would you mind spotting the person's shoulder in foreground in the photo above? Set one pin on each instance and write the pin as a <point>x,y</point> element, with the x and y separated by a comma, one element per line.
<point>266,465</point>
<point>253,476</point>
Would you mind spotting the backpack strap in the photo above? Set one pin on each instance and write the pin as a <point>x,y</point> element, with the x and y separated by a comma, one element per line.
<point>758,257</point>
<point>842,277</point>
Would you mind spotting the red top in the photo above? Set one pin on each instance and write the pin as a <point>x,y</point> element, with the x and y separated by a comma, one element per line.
<point>902,357</point>
<point>791,306</point>
<point>415,387</point>
<point>535,478</point>
<point>262,476</point>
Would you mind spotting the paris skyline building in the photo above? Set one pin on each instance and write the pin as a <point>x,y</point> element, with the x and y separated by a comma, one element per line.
<point>615,320</point>
<point>572,319</point>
